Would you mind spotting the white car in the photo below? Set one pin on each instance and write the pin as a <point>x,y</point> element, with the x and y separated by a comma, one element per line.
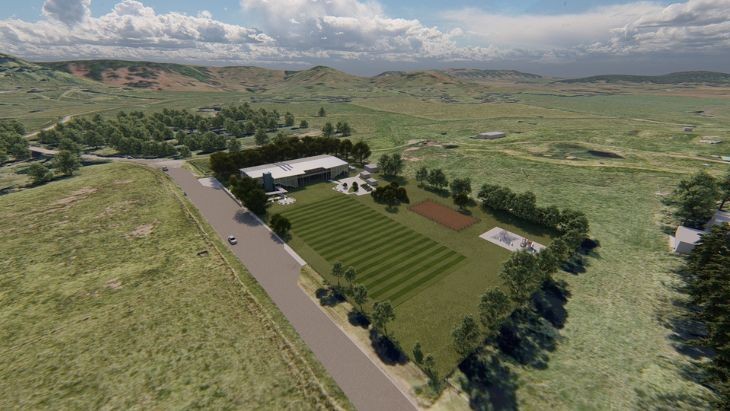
<point>232,240</point>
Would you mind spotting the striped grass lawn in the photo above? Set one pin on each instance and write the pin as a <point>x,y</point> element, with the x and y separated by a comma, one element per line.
<point>392,260</point>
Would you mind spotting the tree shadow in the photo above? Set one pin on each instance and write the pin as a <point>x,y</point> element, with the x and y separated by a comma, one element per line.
<point>489,383</point>
<point>550,300</point>
<point>524,225</point>
<point>441,192</point>
<point>328,297</point>
<point>527,338</point>
<point>358,319</point>
<point>400,180</point>
<point>388,350</point>
<point>247,217</point>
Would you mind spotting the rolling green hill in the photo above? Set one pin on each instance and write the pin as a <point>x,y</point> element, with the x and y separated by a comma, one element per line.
<point>694,77</point>
<point>19,73</point>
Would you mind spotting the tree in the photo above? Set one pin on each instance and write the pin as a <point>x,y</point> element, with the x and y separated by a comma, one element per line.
<point>345,148</point>
<point>461,185</point>
<point>261,136</point>
<point>494,307</point>
<point>321,112</point>
<point>289,119</point>
<point>520,273</point>
<point>724,189</point>
<point>360,296</point>
<point>437,179</point>
<point>466,336</point>
<point>429,366</point>
<point>696,199</point>
<point>184,151</point>
<point>355,187</point>
<point>66,162</point>
<point>390,165</point>
<point>328,130</point>
<point>417,353</point>
<point>303,124</point>
<point>392,194</point>
<point>337,271</point>
<point>234,145</point>
<point>422,175</point>
<point>280,225</point>
<point>39,173</point>
<point>250,193</point>
<point>350,275</point>
<point>461,199</point>
<point>345,130</point>
<point>383,313</point>
<point>360,151</point>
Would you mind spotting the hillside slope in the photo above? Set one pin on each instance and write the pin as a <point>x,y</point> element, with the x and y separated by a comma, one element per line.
<point>691,77</point>
<point>19,73</point>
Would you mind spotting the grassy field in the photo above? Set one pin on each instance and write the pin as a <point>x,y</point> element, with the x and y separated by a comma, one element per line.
<point>432,274</point>
<point>113,296</point>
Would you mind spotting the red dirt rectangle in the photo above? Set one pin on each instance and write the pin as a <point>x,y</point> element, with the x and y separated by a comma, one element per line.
<point>443,215</point>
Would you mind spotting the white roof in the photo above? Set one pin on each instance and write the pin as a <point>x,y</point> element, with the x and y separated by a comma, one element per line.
<point>493,133</point>
<point>688,235</point>
<point>293,168</point>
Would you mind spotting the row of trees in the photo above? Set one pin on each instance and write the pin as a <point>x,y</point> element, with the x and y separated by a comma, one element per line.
<point>12,142</point>
<point>342,129</point>
<point>525,272</point>
<point>436,180</point>
<point>224,165</point>
<point>696,198</point>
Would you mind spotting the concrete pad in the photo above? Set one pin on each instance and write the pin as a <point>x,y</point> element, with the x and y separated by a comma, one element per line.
<point>509,240</point>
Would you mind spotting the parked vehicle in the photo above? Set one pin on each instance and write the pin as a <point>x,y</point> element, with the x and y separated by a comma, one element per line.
<point>232,240</point>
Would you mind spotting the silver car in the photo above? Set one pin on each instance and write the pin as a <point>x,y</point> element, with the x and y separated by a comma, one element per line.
<point>232,240</point>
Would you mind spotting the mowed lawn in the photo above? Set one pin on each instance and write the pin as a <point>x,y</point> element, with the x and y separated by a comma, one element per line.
<point>392,260</point>
<point>113,297</point>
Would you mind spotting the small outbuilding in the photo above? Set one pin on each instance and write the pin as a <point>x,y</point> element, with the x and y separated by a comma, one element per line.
<point>371,168</point>
<point>372,182</point>
<point>491,135</point>
<point>684,239</point>
<point>365,175</point>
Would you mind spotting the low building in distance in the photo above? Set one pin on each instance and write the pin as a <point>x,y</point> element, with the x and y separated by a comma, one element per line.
<point>371,168</point>
<point>297,173</point>
<point>685,238</point>
<point>491,135</point>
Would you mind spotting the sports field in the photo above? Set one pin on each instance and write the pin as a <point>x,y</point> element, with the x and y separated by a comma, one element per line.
<point>392,260</point>
<point>443,215</point>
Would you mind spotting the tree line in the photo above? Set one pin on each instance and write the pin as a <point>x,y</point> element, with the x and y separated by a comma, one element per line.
<point>524,273</point>
<point>224,165</point>
<point>708,272</point>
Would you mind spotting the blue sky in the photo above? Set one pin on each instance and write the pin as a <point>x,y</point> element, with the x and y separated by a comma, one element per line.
<point>556,37</point>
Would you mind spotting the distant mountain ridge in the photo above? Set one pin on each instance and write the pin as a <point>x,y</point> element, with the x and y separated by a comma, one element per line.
<point>692,77</point>
<point>182,77</point>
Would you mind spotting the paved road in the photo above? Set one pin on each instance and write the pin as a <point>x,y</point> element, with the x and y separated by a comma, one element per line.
<point>367,387</point>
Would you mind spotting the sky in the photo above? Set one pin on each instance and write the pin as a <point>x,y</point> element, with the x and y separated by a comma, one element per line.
<point>565,38</point>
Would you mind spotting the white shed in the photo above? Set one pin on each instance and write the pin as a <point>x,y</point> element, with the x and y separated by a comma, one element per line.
<point>371,168</point>
<point>685,239</point>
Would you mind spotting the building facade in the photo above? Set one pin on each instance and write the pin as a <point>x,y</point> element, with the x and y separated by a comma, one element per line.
<point>297,173</point>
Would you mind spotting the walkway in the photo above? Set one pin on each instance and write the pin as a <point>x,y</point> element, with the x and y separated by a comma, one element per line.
<point>366,385</point>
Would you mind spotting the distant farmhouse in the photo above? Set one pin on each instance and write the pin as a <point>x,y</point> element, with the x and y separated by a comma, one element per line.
<point>685,238</point>
<point>297,173</point>
<point>491,135</point>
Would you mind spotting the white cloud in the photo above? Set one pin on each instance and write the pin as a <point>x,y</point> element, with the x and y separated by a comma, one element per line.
<point>69,12</point>
<point>328,31</point>
<point>131,30</point>
<point>348,28</point>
